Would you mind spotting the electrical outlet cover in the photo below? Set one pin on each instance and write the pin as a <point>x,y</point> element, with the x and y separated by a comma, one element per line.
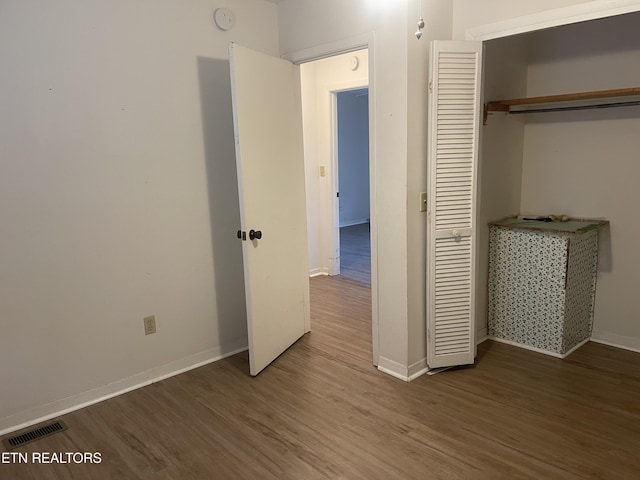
<point>149,325</point>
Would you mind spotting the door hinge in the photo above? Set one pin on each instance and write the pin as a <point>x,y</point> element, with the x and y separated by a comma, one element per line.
<point>338,194</point>
<point>430,86</point>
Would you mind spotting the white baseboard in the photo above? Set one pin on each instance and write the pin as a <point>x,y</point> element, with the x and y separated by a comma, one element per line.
<point>614,340</point>
<point>392,368</point>
<point>316,272</point>
<point>404,373</point>
<point>481,336</point>
<point>417,369</point>
<point>575,348</point>
<point>351,223</point>
<point>70,404</point>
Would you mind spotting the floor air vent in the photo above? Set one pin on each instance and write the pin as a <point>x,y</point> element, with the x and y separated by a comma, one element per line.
<point>33,435</point>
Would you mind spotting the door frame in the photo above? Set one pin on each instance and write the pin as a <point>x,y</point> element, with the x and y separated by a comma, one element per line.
<point>347,45</point>
<point>332,93</point>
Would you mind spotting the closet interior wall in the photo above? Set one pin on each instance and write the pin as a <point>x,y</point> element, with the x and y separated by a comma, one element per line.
<point>502,143</point>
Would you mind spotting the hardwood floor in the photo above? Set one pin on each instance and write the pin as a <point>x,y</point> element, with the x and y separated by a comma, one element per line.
<point>355,253</point>
<point>323,411</point>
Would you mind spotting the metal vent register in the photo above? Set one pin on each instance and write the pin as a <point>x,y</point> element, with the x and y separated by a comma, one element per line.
<point>33,435</point>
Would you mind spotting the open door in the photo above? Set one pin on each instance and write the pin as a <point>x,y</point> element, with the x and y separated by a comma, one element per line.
<point>269,157</point>
<point>454,125</point>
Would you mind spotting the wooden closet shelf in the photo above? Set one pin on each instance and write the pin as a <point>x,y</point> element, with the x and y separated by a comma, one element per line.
<point>506,105</point>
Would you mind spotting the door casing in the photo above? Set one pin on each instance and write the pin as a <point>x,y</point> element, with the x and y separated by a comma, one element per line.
<point>334,221</point>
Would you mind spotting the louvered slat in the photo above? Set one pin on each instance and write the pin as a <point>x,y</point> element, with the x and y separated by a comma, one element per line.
<point>456,70</point>
<point>453,141</point>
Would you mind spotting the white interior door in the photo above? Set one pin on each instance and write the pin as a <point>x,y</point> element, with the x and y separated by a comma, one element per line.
<point>270,163</point>
<point>454,126</point>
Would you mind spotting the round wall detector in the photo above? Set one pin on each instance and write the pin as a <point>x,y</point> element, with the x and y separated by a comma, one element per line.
<point>224,19</point>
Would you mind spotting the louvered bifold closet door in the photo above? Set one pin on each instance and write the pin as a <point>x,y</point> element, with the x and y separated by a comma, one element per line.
<point>454,121</point>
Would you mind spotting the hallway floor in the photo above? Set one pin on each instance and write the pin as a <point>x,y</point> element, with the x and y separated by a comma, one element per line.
<point>355,253</point>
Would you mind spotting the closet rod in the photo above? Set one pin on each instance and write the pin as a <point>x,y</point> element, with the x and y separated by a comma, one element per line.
<point>507,105</point>
<point>566,97</point>
<point>577,107</point>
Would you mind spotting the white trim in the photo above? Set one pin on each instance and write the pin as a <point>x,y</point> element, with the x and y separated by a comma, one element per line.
<point>539,350</point>
<point>373,205</point>
<point>615,340</point>
<point>330,49</point>
<point>330,92</point>
<point>335,265</point>
<point>392,368</point>
<point>351,223</point>
<point>582,12</point>
<point>406,374</point>
<point>70,404</point>
<point>334,181</point>
<point>481,335</point>
<point>569,352</point>
<point>417,369</point>
<point>316,272</point>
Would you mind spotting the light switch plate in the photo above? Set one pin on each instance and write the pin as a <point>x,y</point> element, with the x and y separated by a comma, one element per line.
<point>423,201</point>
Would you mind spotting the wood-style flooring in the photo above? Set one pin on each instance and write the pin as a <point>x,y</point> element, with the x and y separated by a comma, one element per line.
<point>322,411</point>
<point>355,253</point>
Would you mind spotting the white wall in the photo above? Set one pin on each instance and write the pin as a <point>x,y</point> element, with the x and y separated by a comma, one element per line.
<point>117,194</point>
<point>585,163</point>
<point>353,156</point>
<point>319,79</point>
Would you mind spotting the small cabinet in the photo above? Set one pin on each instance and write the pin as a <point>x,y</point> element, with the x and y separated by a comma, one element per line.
<point>542,283</point>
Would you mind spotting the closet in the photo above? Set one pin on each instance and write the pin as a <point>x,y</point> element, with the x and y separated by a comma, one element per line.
<point>575,161</point>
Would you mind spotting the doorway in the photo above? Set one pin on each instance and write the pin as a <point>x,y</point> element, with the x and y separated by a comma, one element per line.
<point>336,125</point>
<point>322,82</point>
<point>352,138</point>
